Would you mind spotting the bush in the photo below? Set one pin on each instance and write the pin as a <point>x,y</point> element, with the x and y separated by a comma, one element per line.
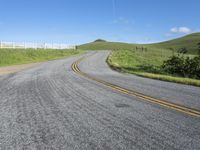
<point>174,65</point>
<point>186,67</point>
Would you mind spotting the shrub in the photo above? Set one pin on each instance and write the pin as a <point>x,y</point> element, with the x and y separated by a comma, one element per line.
<point>174,65</point>
<point>186,67</point>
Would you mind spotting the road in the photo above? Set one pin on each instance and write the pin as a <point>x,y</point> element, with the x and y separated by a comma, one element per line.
<point>52,107</point>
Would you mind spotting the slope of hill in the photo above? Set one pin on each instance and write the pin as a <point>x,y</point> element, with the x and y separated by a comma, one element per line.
<point>189,42</point>
<point>106,46</point>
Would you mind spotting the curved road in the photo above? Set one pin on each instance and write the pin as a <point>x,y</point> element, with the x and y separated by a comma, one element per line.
<point>52,107</point>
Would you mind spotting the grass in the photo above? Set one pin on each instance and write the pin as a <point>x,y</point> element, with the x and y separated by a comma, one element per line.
<point>25,56</point>
<point>146,64</point>
<point>138,60</point>
<point>169,78</point>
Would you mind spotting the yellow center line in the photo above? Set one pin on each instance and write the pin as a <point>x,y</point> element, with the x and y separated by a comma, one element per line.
<point>177,107</point>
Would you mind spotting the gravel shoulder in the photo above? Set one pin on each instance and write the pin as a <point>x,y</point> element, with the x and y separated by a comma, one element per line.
<point>16,68</point>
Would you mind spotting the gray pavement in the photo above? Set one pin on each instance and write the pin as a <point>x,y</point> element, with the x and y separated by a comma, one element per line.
<point>51,107</point>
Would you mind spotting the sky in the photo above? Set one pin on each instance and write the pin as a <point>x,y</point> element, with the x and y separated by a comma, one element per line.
<point>82,21</point>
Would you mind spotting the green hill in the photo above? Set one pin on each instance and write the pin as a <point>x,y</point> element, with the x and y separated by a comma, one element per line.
<point>189,42</point>
<point>103,45</point>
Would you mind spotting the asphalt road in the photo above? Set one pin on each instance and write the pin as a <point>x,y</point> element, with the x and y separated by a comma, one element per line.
<point>52,107</point>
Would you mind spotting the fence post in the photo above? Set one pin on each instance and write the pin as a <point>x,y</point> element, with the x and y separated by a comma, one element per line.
<point>0,44</point>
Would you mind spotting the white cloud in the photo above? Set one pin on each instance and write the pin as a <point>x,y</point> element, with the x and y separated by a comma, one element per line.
<point>174,30</point>
<point>184,30</point>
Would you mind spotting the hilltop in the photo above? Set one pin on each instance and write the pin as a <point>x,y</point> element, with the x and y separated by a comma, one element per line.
<point>103,45</point>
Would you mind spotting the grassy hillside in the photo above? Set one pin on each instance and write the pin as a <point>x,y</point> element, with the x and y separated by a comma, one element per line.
<point>189,42</point>
<point>106,46</point>
<point>23,56</point>
<point>137,60</point>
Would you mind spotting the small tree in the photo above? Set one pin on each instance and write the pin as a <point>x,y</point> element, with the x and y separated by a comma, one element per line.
<point>174,65</point>
<point>183,66</point>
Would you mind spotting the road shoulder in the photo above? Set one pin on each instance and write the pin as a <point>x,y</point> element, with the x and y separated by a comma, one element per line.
<point>16,68</point>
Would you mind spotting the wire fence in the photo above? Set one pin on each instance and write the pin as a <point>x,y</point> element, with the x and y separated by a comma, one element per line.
<point>32,45</point>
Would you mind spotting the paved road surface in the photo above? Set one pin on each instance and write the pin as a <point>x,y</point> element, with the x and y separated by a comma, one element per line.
<point>51,107</point>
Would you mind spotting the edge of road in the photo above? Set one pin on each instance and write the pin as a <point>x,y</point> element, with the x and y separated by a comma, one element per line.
<point>16,68</point>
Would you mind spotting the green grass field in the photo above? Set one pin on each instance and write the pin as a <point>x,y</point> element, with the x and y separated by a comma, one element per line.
<point>125,57</point>
<point>136,60</point>
<point>24,56</point>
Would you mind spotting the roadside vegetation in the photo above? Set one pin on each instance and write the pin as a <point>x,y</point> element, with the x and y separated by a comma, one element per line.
<point>24,56</point>
<point>157,64</point>
<point>174,61</point>
<point>182,66</point>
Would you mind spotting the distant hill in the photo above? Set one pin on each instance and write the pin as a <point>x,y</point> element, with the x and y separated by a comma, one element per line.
<point>189,42</point>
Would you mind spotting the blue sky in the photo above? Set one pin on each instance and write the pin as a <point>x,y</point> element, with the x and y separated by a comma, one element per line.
<point>80,21</point>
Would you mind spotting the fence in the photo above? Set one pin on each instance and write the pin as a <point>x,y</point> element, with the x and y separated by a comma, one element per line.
<point>27,45</point>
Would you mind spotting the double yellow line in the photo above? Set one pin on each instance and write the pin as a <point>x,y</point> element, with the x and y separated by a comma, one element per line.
<point>173,106</point>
